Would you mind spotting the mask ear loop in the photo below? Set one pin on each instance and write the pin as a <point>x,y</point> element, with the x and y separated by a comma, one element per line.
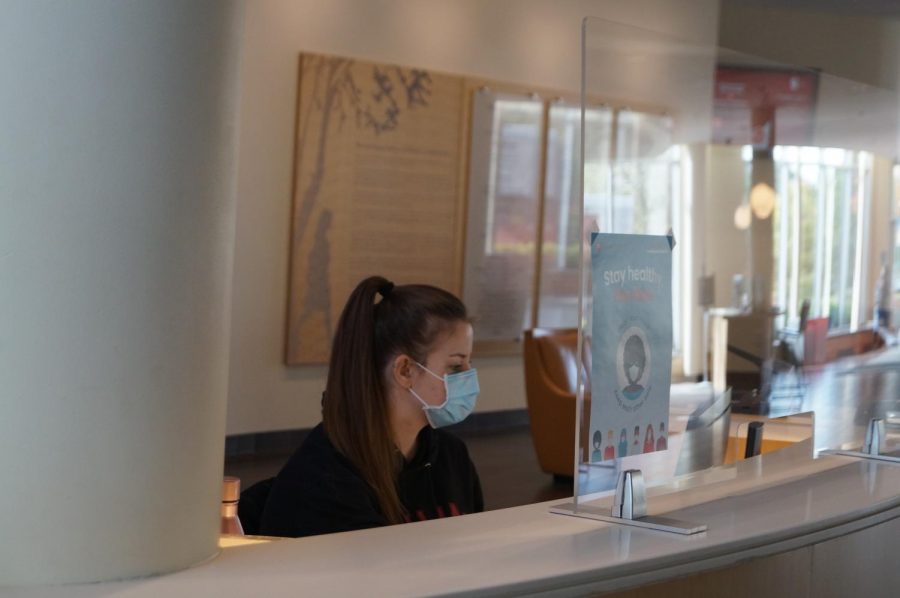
<point>446,387</point>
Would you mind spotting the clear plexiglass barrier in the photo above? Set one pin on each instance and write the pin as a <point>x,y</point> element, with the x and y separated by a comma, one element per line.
<point>727,187</point>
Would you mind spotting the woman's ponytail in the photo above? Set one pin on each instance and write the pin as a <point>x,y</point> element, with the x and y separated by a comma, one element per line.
<point>355,408</point>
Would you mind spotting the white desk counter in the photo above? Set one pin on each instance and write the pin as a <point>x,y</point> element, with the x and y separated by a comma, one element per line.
<point>772,505</point>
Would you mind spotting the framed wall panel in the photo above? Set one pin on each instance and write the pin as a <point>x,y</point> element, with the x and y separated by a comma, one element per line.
<point>376,188</point>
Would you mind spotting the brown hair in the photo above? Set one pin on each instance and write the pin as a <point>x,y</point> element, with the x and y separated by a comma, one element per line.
<point>407,321</point>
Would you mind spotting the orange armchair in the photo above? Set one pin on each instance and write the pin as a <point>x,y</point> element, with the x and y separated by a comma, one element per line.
<point>552,367</point>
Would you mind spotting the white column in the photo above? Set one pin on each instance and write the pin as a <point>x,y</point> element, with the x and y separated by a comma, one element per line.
<point>116,225</point>
<point>695,254</point>
<point>762,236</point>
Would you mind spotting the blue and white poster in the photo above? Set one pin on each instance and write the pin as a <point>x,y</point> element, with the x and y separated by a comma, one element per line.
<point>631,344</point>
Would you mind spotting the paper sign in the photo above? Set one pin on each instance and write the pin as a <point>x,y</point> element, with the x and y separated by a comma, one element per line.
<point>631,344</point>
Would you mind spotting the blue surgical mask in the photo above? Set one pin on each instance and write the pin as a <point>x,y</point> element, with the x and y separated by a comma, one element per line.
<point>462,390</point>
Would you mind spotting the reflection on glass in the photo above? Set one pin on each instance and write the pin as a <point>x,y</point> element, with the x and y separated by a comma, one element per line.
<point>642,187</point>
<point>598,136</point>
<point>818,236</point>
<point>895,279</point>
<point>634,189</point>
<point>504,191</point>
<point>515,172</point>
<point>562,231</point>
<point>646,188</point>
<point>826,146</point>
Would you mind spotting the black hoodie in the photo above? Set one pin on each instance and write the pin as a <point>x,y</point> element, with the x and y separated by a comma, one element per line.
<point>319,491</point>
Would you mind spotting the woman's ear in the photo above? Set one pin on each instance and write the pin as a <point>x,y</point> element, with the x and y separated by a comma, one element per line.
<point>402,371</point>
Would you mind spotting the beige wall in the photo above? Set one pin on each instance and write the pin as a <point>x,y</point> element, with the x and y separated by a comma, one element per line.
<point>728,249</point>
<point>526,41</point>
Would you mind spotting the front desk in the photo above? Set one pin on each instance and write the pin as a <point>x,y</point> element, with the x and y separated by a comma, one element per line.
<point>782,524</point>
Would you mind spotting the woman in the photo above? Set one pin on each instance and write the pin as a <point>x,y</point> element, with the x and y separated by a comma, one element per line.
<point>597,455</point>
<point>623,444</point>
<point>661,441</point>
<point>400,369</point>
<point>610,451</point>
<point>649,443</point>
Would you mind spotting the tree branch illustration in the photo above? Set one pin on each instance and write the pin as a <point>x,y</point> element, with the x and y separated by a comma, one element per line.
<point>374,103</point>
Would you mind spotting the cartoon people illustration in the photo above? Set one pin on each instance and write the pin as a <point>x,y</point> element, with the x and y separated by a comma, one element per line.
<point>661,443</point>
<point>634,359</point>
<point>636,443</point>
<point>610,451</point>
<point>597,455</point>
<point>649,444</point>
<point>623,443</point>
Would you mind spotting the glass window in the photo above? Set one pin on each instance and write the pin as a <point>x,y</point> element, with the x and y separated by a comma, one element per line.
<point>504,193</point>
<point>895,278</point>
<point>632,184</point>
<point>646,188</point>
<point>817,232</point>
<point>642,188</point>
<point>562,233</point>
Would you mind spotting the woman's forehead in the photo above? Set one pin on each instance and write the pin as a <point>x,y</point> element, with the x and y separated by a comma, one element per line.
<point>456,341</point>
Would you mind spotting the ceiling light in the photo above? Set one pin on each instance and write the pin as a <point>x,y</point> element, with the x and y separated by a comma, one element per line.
<point>742,217</point>
<point>762,200</point>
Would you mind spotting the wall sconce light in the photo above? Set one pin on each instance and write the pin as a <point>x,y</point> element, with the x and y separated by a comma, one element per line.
<point>762,200</point>
<point>742,217</point>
